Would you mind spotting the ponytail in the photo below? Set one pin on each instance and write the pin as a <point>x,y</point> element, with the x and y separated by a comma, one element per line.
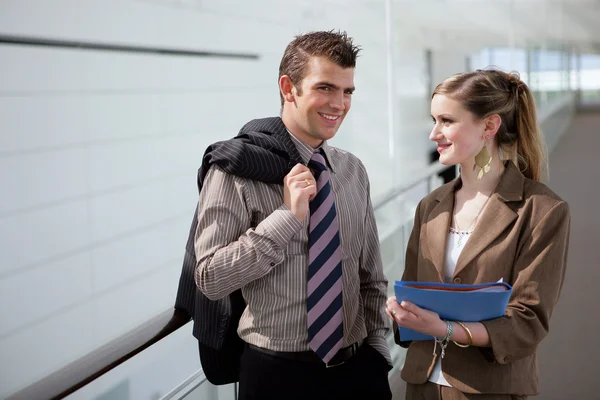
<point>529,147</point>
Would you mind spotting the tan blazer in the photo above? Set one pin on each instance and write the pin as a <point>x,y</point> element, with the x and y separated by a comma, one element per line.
<point>522,237</point>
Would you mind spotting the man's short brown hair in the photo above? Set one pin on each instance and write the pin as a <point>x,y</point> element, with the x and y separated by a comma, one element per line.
<point>335,46</point>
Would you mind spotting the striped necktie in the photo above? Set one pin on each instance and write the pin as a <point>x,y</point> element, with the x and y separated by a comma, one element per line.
<point>324,286</point>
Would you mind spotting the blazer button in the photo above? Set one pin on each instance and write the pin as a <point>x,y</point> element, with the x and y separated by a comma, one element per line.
<point>457,280</point>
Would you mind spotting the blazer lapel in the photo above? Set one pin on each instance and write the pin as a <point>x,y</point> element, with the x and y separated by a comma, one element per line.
<point>438,224</point>
<point>495,218</point>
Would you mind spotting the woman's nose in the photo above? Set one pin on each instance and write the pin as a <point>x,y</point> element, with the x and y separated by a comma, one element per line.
<point>435,133</point>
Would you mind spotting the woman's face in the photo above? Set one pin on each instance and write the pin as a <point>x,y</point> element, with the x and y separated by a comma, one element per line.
<point>458,134</point>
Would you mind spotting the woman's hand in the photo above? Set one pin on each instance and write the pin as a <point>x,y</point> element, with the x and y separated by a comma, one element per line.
<point>418,319</point>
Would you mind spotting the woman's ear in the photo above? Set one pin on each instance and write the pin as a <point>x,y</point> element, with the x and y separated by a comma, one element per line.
<point>492,124</point>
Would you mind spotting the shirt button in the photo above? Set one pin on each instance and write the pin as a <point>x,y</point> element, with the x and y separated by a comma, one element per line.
<point>507,359</point>
<point>272,264</point>
<point>457,280</point>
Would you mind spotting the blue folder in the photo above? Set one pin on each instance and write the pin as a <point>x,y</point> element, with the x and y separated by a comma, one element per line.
<point>455,302</point>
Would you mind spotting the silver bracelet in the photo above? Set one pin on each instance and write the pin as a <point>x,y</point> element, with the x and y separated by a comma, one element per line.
<point>443,341</point>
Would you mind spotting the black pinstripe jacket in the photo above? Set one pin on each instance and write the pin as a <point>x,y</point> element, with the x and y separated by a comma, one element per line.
<point>262,151</point>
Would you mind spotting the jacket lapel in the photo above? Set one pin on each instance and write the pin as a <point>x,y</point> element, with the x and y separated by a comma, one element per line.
<point>438,223</point>
<point>495,218</point>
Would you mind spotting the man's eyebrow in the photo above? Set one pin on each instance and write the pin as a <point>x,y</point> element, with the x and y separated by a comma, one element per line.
<point>333,86</point>
<point>328,84</point>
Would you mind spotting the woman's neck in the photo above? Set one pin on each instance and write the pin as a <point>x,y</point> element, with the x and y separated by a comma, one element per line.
<point>487,183</point>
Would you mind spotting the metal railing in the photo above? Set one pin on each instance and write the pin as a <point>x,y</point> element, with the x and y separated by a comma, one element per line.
<point>84,370</point>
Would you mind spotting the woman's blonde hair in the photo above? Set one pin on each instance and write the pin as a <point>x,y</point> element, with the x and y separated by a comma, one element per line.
<point>490,91</point>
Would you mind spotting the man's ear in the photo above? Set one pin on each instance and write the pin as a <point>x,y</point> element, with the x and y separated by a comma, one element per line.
<point>288,91</point>
<point>492,124</point>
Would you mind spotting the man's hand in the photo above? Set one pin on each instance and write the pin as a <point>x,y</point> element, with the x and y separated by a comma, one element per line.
<point>299,187</point>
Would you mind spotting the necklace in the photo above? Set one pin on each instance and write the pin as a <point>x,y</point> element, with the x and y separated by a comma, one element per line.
<point>468,231</point>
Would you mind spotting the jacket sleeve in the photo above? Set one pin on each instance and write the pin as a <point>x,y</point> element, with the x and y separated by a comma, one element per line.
<point>410,264</point>
<point>539,270</point>
<point>229,252</point>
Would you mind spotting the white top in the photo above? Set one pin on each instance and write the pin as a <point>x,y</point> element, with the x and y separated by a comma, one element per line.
<point>453,250</point>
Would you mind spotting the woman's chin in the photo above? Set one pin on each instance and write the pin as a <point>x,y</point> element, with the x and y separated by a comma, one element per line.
<point>446,161</point>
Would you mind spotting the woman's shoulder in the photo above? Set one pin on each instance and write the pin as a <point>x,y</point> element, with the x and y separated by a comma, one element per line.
<point>540,199</point>
<point>540,192</point>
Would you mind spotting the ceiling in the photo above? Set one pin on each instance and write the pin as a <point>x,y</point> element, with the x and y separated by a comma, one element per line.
<point>472,24</point>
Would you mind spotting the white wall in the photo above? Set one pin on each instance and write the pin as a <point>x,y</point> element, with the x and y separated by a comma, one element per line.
<point>99,150</point>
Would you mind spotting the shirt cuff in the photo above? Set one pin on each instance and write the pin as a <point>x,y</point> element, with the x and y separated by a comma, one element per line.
<point>281,226</point>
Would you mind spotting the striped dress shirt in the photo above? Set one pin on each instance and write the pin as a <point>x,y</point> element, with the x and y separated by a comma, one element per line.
<point>247,238</point>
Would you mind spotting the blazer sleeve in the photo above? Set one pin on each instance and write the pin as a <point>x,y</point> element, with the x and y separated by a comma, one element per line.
<point>539,272</point>
<point>410,264</point>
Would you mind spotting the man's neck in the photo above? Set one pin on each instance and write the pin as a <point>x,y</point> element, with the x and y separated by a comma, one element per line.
<point>294,130</point>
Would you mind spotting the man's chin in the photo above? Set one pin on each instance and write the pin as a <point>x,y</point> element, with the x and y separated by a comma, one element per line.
<point>326,134</point>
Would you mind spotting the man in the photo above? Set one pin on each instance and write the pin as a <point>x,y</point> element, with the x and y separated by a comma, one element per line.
<point>306,255</point>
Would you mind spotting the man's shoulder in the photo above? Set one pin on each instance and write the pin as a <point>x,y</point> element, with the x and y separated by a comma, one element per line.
<point>340,152</point>
<point>346,157</point>
<point>217,173</point>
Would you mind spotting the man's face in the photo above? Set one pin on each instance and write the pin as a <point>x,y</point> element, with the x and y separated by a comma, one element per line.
<point>317,113</point>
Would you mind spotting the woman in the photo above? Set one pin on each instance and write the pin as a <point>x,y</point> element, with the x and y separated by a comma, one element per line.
<point>495,222</point>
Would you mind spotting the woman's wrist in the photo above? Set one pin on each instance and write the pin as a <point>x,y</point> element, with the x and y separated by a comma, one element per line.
<point>469,339</point>
<point>441,329</point>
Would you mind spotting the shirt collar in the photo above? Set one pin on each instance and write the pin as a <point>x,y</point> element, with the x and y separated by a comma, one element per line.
<point>306,151</point>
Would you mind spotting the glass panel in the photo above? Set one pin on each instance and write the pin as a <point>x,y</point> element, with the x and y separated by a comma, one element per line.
<point>395,223</point>
<point>208,391</point>
<point>590,78</point>
<point>149,375</point>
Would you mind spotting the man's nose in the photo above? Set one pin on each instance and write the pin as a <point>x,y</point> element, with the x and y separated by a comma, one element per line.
<point>337,102</point>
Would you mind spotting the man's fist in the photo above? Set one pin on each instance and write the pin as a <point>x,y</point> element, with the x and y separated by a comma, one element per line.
<point>299,187</point>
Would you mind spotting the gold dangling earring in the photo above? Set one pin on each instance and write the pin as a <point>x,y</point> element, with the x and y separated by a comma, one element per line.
<point>483,160</point>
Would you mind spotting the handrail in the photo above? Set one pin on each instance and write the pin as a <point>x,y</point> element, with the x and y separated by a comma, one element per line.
<point>84,370</point>
<point>95,364</point>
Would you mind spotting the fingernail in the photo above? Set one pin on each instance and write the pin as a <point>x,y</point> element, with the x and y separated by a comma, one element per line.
<point>403,304</point>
